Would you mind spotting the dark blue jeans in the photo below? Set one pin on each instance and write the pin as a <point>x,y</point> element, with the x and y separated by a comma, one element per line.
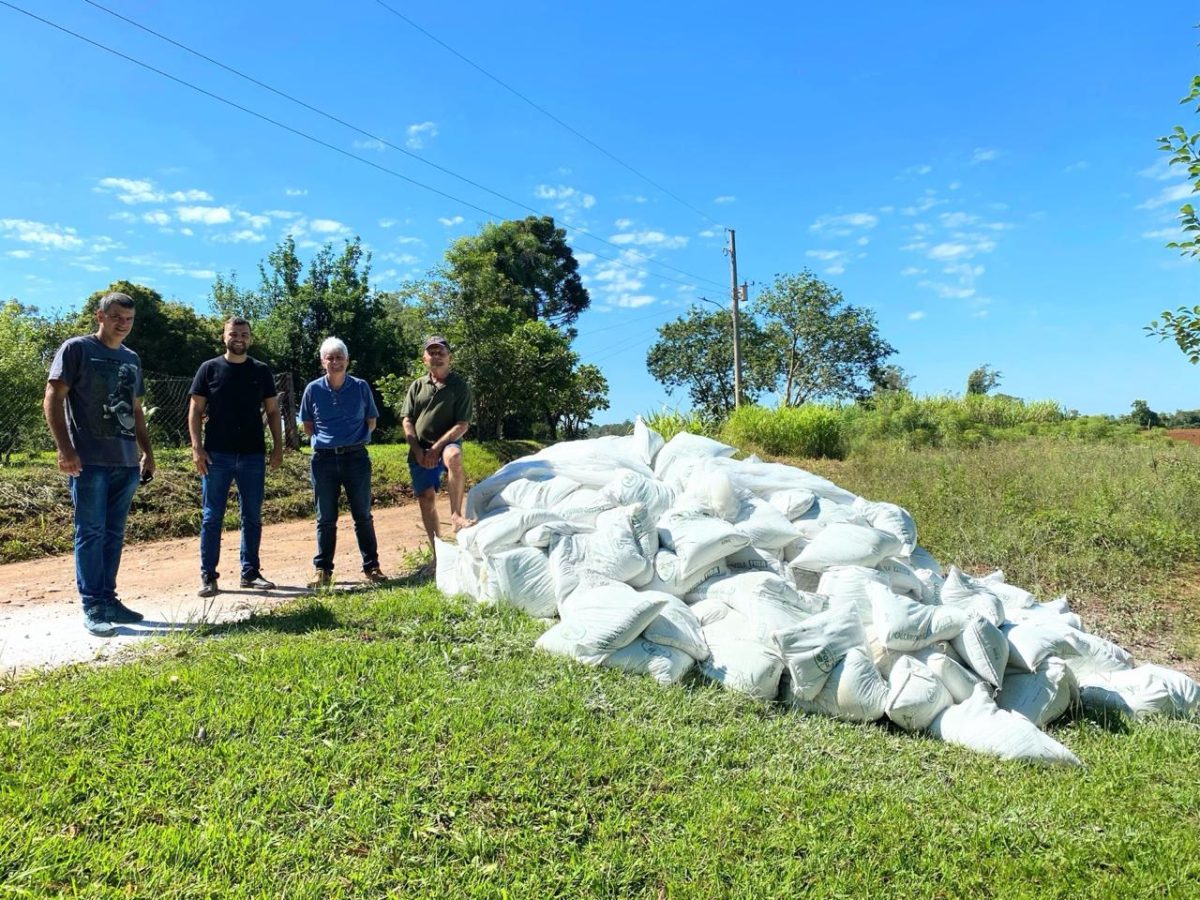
<point>101,495</point>
<point>330,474</point>
<point>249,471</point>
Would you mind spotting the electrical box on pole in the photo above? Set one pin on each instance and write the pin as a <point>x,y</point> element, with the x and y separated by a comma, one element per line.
<point>737,345</point>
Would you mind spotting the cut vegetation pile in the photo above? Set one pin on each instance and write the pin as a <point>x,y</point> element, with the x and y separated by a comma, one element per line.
<point>657,557</point>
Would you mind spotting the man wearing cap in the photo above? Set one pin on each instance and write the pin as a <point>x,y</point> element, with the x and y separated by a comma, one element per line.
<point>437,413</point>
<point>93,405</point>
<point>339,413</point>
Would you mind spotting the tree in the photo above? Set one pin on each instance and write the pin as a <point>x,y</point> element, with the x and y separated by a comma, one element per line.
<point>1183,325</point>
<point>822,346</point>
<point>170,337</point>
<point>523,264</point>
<point>1141,414</point>
<point>889,379</point>
<point>696,352</point>
<point>574,403</point>
<point>982,379</point>
<point>27,344</point>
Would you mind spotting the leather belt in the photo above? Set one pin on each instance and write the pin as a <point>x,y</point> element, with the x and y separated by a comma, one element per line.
<point>339,451</point>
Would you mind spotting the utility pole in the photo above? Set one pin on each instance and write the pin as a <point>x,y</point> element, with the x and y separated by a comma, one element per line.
<point>737,344</point>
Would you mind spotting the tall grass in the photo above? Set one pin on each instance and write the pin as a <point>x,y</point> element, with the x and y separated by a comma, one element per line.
<point>807,431</point>
<point>670,422</point>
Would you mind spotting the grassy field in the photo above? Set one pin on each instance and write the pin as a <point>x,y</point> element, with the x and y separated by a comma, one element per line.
<point>399,742</point>
<point>36,515</point>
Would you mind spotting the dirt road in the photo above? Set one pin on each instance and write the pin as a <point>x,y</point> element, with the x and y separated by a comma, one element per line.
<point>41,622</point>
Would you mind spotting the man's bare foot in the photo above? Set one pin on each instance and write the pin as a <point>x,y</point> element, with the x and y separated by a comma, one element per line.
<point>460,521</point>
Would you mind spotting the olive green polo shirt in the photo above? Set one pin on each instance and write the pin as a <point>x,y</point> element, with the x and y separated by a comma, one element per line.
<point>436,408</point>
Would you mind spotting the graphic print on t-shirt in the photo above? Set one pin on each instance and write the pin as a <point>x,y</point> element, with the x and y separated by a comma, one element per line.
<point>113,390</point>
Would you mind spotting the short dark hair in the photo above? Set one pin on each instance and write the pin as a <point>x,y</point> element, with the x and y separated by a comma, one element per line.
<point>237,320</point>
<point>114,298</point>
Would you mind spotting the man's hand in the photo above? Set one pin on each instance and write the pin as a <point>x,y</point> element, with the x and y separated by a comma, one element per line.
<point>431,458</point>
<point>275,460</point>
<point>201,460</point>
<point>69,461</point>
<point>147,467</point>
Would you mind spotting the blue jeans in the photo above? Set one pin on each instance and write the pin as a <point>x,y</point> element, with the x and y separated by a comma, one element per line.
<point>330,473</point>
<point>249,471</point>
<point>101,495</point>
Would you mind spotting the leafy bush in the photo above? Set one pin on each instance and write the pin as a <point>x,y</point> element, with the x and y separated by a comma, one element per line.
<point>809,431</point>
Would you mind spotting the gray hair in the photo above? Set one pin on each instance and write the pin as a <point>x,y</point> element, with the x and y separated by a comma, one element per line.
<point>115,298</point>
<point>333,343</point>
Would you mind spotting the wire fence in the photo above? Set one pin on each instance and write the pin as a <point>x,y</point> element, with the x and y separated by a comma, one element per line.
<point>23,428</point>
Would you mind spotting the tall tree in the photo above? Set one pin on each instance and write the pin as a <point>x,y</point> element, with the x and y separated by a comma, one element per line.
<point>27,343</point>
<point>1183,325</point>
<point>823,346</point>
<point>524,264</point>
<point>695,352</point>
<point>170,337</point>
<point>982,379</point>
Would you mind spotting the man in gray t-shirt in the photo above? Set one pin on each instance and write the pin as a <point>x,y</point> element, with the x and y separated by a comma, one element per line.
<point>93,405</point>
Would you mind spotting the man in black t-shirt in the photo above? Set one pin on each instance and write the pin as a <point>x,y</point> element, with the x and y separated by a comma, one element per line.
<point>229,395</point>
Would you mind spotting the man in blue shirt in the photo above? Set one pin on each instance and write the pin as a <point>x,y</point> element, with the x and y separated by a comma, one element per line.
<point>93,405</point>
<point>339,413</point>
<point>229,395</point>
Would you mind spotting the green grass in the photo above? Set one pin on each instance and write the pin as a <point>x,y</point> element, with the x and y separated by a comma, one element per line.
<point>398,742</point>
<point>36,514</point>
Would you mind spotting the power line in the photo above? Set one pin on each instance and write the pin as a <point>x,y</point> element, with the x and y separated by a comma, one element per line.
<point>545,112</point>
<point>299,133</point>
<point>359,130</point>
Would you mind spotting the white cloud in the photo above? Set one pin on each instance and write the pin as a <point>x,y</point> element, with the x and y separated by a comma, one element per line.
<point>844,224</point>
<point>20,254</point>
<point>1163,234</point>
<point>948,251</point>
<point>918,170</point>
<point>158,217</point>
<point>418,134</point>
<point>954,185</point>
<point>141,190</point>
<point>285,214</point>
<point>825,255</point>
<point>1077,166</point>
<point>406,239</point>
<point>88,266</point>
<point>402,259</point>
<point>708,233</point>
<point>948,291</point>
<point>124,216</point>
<point>584,258</point>
<point>620,285</point>
<point>639,199</point>
<point>387,223</point>
<point>568,198</point>
<point>53,237</point>
<point>623,223</point>
<point>916,315</point>
<point>725,198</point>
<point>983,154</point>
<point>1172,194</point>
<point>204,215</point>
<point>957,219</point>
<point>257,222</point>
<point>295,192</point>
<point>242,236</point>
<point>1161,170</point>
<point>863,241</point>
<point>924,204</point>
<point>451,222</point>
<point>651,239</point>
<point>186,231</point>
<point>372,144</point>
<point>835,269</point>
<point>327,226</point>
<point>909,271</point>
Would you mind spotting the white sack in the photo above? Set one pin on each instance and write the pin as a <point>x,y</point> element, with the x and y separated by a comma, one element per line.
<point>669,575</point>
<point>698,540</point>
<point>984,649</point>
<point>583,507</point>
<point>566,640</point>
<point>792,502</point>
<point>765,526</point>
<point>1029,644</point>
<point>522,579</point>
<point>904,624</point>
<point>915,695</point>
<point>1040,696</point>
<point>501,531</point>
<point>890,518</point>
<point>741,663</point>
<point>920,558</point>
<point>979,725</point>
<point>824,513</point>
<point>610,616</point>
<point>854,691</point>
<point>1145,691</point>
<point>666,665</point>
<point>904,580</point>
<point>813,647</point>
<point>445,555</point>
<point>637,521</point>
<point>686,446</point>
<point>533,493</point>
<point>848,584</point>
<point>943,662</point>
<point>676,626</point>
<point>628,488</point>
<point>751,559</point>
<point>646,442</point>
<point>1094,655</point>
<point>541,536</point>
<point>843,544</point>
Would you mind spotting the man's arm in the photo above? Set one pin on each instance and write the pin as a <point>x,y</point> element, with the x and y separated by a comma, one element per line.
<point>410,436</point>
<point>275,423</point>
<point>371,424</point>
<point>56,419</point>
<point>200,457</point>
<point>142,433</point>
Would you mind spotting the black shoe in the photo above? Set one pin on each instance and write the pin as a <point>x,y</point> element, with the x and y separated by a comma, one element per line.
<point>95,622</point>
<point>257,582</point>
<point>118,612</point>
<point>208,586</point>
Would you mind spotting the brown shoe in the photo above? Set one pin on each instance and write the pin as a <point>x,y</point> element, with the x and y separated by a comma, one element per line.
<point>375,575</point>
<point>322,580</point>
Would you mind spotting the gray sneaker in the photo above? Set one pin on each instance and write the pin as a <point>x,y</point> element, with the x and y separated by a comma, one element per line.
<point>118,612</point>
<point>95,622</point>
<point>208,587</point>
<point>257,582</point>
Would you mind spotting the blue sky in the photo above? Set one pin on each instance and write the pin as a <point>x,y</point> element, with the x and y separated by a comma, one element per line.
<point>984,176</point>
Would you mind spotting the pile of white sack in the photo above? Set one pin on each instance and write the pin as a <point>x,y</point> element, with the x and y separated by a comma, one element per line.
<point>779,584</point>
